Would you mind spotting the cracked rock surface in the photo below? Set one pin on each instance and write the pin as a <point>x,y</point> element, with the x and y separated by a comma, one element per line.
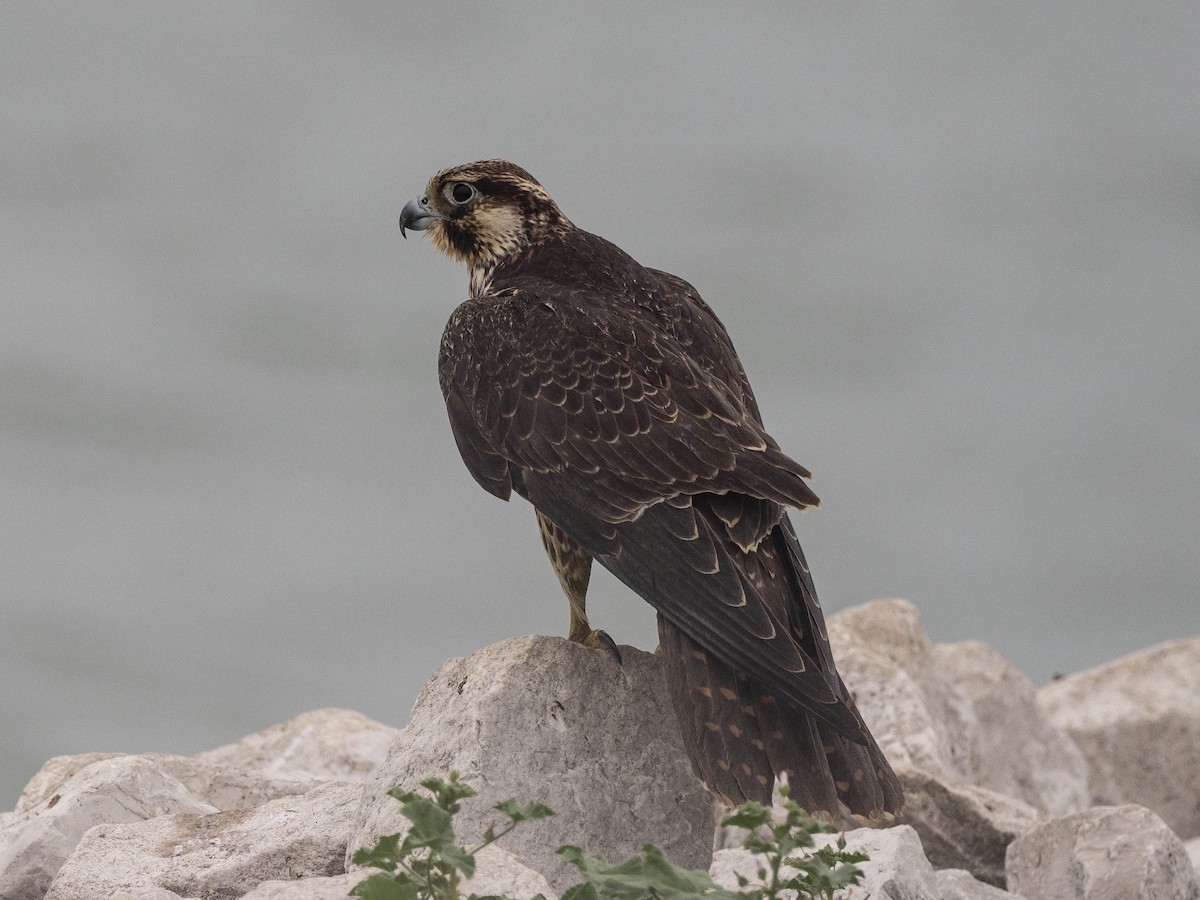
<point>1001,781</point>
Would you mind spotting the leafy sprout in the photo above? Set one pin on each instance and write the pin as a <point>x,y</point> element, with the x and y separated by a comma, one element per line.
<point>428,862</point>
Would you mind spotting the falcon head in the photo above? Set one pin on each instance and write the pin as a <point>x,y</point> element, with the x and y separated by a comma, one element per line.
<point>484,212</point>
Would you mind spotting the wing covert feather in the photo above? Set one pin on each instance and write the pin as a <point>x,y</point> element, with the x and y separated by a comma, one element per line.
<point>650,425</point>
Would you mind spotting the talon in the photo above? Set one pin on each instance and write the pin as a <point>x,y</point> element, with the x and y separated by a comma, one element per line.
<point>599,639</point>
<point>609,644</point>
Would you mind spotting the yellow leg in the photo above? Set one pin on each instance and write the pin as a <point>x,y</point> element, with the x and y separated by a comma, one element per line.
<point>573,566</point>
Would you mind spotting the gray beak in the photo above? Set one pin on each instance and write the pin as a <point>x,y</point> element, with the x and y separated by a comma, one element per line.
<point>417,215</point>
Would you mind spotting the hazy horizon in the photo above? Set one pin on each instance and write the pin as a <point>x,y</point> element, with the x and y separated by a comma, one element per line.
<point>956,248</point>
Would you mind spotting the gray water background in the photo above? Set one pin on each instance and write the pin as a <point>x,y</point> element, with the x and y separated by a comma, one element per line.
<point>957,245</point>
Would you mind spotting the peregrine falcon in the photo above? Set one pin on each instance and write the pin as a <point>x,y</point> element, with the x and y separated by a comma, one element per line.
<point>609,396</point>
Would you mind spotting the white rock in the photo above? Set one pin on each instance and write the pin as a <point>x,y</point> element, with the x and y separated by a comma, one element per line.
<point>222,787</point>
<point>1137,721</point>
<point>1104,853</point>
<point>152,893</point>
<point>962,729</point>
<point>71,794</point>
<point>897,868</point>
<point>214,856</point>
<point>540,719</point>
<point>959,884</point>
<point>962,826</point>
<point>1193,852</point>
<point>332,744</point>
<point>921,719</point>
<point>728,863</point>
<point>958,712</point>
<point>229,788</point>
<point>500,873</point>
<point>327,887</point>
<point>120,789</point>
<point>1016,750</point>
<point>53,774</point>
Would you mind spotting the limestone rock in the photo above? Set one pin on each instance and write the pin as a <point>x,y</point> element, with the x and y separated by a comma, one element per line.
<point>962,729</point>
<point>217,856</point>
<point>958,712</point>
<point>897,868</point>
<point>71,794</point>
<point>962,826</point>
<point>321,887</point>
<point>1137,721</point>
<point>1193,852</point>
<point>53,774</point>
<point>1016,750</point>
<point>228,788</point>
<point>542,719</point>
<point>152,893</point>
<point>117,790</point>
<point>222,787</point>
<point>1104,853</point>
<point>332,744</point>
<point>730,862</point>
<point>500,873</point>
<point>959,884</point>
<point>920,718</point>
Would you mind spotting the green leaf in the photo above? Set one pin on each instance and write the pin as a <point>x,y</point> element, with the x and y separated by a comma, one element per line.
<point>571,854</point>
<point>749,815</point>
<point>382,856</point>
<point>428,862</point>
<point>459,858</point>
<point>448,793</point>
<point>825,870</point>
<point>432,826</point>
<point>528,813</point>
<point>648,875</point>
<point>756,844</point>
<point>400,794</point>
<point>384,887</point>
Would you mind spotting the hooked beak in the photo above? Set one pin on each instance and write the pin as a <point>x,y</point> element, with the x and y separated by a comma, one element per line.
<point>418,215</point>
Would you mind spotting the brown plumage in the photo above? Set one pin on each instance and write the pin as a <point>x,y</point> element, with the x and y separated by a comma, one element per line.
<point>610,396</point>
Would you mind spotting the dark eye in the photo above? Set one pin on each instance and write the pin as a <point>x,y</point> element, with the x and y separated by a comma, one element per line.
<point>462,192</point>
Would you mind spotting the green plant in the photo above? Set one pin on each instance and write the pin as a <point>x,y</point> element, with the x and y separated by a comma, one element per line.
<point>819,871</point>
<point>430,864</point>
